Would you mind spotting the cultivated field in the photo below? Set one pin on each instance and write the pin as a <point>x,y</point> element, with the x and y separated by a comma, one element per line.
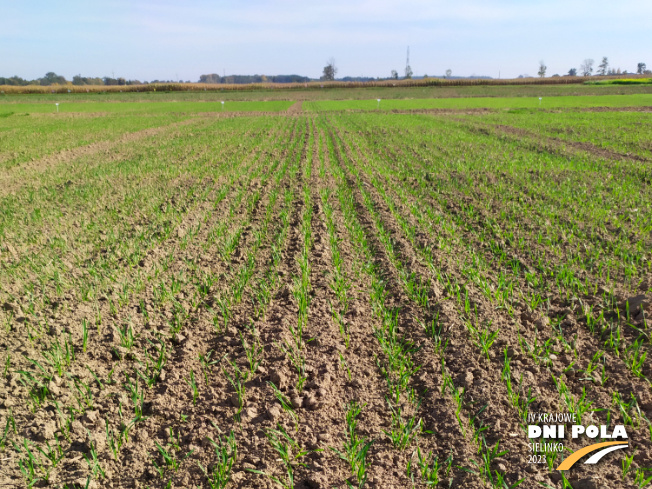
<point>323,294</point>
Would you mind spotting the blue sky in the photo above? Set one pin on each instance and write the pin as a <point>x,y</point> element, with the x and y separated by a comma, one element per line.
<point>167,39</point>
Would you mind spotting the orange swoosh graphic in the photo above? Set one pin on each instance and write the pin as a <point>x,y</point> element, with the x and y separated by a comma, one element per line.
<point>570,461</point>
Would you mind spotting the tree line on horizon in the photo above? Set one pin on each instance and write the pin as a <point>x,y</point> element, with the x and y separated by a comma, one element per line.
<point>329,72</point>
<point>586,69</point>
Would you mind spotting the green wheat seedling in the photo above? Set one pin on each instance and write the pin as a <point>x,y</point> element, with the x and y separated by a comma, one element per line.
<point>428,467</point>
<point>625,408</point>
<point>227,454</point>
<point>179,317</point>
<point>289,453</point>
<point>137,395</point>
<point>65,421</point>
<point>627,464</point>
<point>83,393</point>
<point>253,351</point>
<point>286,404</point>
<point>483,339</point>
<point>54,454</point>
<point>344,366</point>
<point>116,440</point>
<point>636,358</point>
<point>84,334</point>
<point>519,399</point>
<point>93,461</point>
<point>60,356</point>
<point>237,381</point>
<point>225,305</point>
<point>487,457</point>
<point>639,478</point>
<point>297,360</point>
<point>435,330</point>
<point>153,364</point>
<point>97,379</point>
<point>31,467</point>
<point>10,423</point>
<point>127,337</point>
<point>193,387</point>
<point>338,318</point>
<point>170,461</point>
<point>36,386</point>
<point>579,406</point>
<point>355,447</point>
<point>7,364</point>
<point>403,432</point>
<point>207,364</point>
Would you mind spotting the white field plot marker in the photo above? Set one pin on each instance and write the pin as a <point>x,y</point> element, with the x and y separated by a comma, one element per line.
<point>222,104</point>
<point>57,104</point>
<point>540,101</point>
<point>378,100</point>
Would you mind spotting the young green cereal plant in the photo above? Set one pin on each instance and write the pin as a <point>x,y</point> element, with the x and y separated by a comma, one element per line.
<point>137,395</point>
<point>193,387</point>
<point>7,364</point>
<point>116,440</point>
<point>84,334</point>
<point>53,454</point>
<point>127,337</point>
<point>97,379</point>
<point>286,404</point>
<point>579,406</point>
<point>298,361</point>
<point>639,478</point>
<point>227,454</point>
<point>428,466</point>
<point>355,447</point>
<point>345,367</point>
<point>11,422</point>
<point>627,464</point>
<point>207,364</point>
<point>93,461</point>
<point>403,433</point>
<point>237,380</point>
<point>289,452</point>
<point>253,351</point>
<point>30,466</point>
<point>84,393</point>
<point>225,305</point>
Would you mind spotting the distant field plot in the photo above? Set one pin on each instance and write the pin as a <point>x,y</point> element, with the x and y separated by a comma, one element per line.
<point>484,102</point>
<point>24,137</point>
<point>627,133</point>
<point>154,107</point>
<point>366,93</point>
<point>321,296</point>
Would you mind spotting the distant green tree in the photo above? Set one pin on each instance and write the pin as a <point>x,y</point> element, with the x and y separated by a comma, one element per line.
<point>641,68</point>
<point>572,72</point>
<point>330,70</point>
<point>51,78</point>
<point>212,78</point>
<point>395,74</point>
<point>542,69</point>
<point>603,68</point>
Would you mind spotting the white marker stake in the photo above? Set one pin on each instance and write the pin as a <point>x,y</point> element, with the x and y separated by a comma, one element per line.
<point>378,100</point>
<point>540,100</point>
<point>57,107</point>
<point>222,104</point>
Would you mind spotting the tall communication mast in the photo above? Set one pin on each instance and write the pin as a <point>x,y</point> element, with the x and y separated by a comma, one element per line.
<point>408,68</point>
